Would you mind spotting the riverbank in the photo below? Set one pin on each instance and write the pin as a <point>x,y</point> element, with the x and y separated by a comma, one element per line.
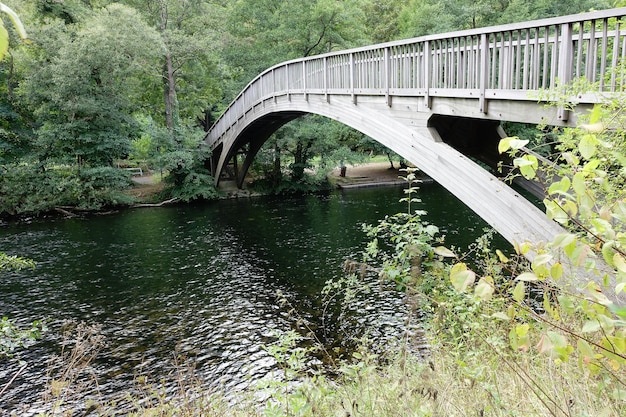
<point>371,174</point>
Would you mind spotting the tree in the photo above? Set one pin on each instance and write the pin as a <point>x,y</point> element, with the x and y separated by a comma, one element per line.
<point>188,69</point>
<point>84,94</point>
<point>381,21</point>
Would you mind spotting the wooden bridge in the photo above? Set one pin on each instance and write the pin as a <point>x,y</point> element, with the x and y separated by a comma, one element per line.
<point>438,101</point>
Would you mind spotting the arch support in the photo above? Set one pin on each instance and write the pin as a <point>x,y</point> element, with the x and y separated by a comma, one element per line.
<point>415,137</point>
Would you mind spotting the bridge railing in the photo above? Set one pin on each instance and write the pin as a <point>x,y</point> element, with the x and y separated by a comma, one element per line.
<point>508,62</point>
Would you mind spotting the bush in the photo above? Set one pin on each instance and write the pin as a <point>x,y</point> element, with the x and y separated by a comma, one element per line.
<point>29,189</point>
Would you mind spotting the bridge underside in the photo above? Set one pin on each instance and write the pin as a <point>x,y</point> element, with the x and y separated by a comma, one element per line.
<point>435,139</point>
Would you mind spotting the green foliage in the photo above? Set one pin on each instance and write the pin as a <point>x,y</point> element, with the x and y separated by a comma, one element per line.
<point>15,263</point>
<point>29,189</point>
<point>587,326</point>
<point>83,100</point>
<point>188,178</point>
<point>403,244</point>
<point>13,337</point>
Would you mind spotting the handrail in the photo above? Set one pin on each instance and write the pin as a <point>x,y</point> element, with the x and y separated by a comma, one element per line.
<point>506,62</point>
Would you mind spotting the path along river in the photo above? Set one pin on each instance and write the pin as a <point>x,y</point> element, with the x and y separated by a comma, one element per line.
<point>196,282</point>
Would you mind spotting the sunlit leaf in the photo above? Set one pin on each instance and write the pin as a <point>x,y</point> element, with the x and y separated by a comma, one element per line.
<point>555,212</point>
<point>556,271</point>
<point>500,315</point>
<point>593,127</point>
<point>619,262</point>
<point>527,165</point>
<point>461,277</point>
<point>542,259</point>
<point>17,23</point>
<point>608,252</point>
<point>445,252</point>
<point>511,143</point>
<point>501,256</point>
<point>563,239</point>
<point>519,292</point>
<point>527,277</point>
<point>591,326</point>
<point>587,146</point>
<point>595,114</point>
<point>485,288</point>
<point>560,187</point>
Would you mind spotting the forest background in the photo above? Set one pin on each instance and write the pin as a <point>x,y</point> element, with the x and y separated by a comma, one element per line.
<point>100,85</point>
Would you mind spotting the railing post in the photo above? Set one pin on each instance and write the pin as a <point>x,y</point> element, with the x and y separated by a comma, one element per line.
<point>326,79</point>
<point>387,76</point>
<point>306,96</point>
<point>274,85</point>
<point>287,81</point>
<point>426,65</point>
<point>484,72</point>
<point>565,64</point>
<point>352,78</point>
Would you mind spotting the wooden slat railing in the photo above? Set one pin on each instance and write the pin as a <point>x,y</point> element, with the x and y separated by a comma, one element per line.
<point>509,62</point>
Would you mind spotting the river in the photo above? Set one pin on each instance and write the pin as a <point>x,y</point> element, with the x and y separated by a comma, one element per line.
<point>195,285</point>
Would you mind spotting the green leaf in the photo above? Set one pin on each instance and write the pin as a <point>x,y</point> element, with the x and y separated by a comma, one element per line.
<point>511,143</point>
<point>560,187</point>
<point>461,277</point>
<point>566,303</point>
<point>521,330</point>
<point>619,262</point>
<point>585,349</point>
<point>500,315</point>
<point>519,292</point>
<point>591,326</point>
<point>527,277</point>
<point>557,339</point>
<point>485,288</point>
<point>607,252</point>
<point>563,240</point>
<point>445,252</point>
<point>556,271</point>
<point>578,184</point>
<point>587,146</point>
<point>527,165</point>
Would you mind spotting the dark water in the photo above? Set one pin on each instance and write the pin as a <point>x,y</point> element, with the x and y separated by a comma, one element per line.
<point>194,284</point>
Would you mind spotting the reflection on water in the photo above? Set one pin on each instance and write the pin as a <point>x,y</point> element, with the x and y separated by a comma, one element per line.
<point>197,282</point>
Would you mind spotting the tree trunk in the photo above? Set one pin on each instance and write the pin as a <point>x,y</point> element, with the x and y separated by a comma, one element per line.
<point>169,95</point>
<point>276,174</point>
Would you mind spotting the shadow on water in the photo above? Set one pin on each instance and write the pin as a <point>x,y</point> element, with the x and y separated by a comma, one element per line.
<point>197,281</point>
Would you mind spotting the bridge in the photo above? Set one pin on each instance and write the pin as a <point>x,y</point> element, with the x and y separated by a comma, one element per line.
<point>438,102</point>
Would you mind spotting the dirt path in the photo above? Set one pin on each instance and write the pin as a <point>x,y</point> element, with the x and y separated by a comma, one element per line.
<point>369,174</point>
